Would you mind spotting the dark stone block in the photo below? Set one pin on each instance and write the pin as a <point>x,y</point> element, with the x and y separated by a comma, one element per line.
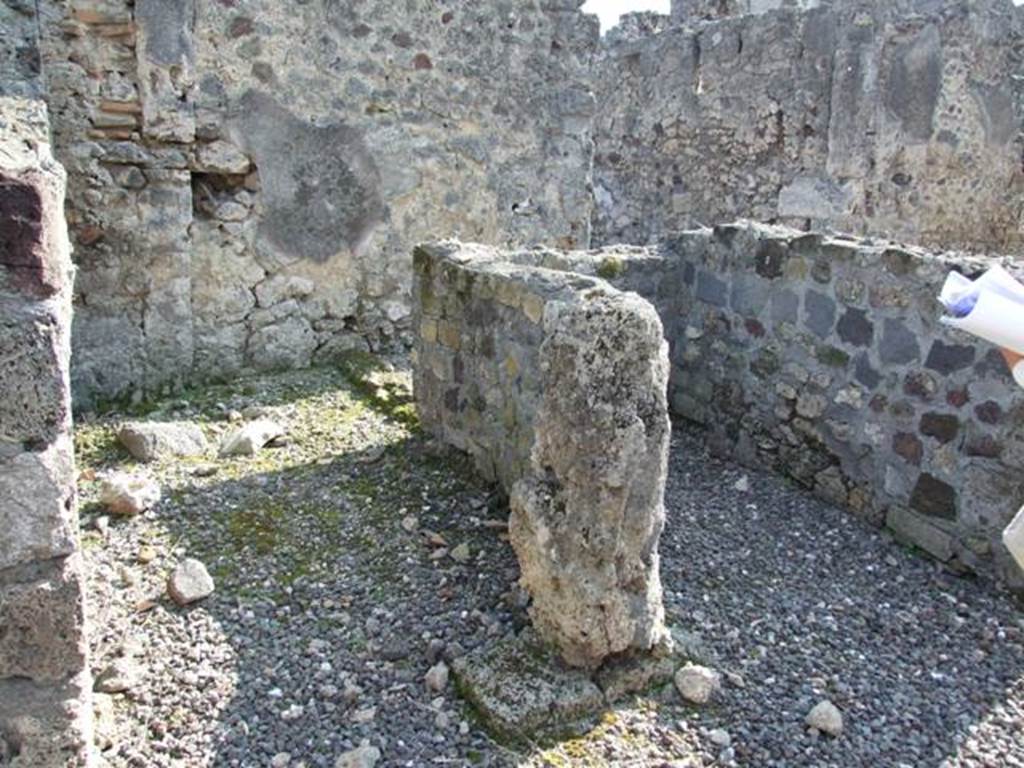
<point>864,373</point>
<point>989,412</point>
<point>899,344</point>
<point>855,328</point>
<point>984,446</point>
<point>908,447</point>
<point>991,364</point>
<point>712,290</point>
<point>958,398</point>
<point>821,272</point>
<point>785,307</point>
<point>948,358</point>
<point>942,426</point>
<point>920,384</point>
<point>771,258</point>
<point>914,80</point>
<point>754,328</point>
<point>820,312</point>
<point>22,250</point>
<point>689,273</point>
<point>934,498</point>
<point>328,189</point>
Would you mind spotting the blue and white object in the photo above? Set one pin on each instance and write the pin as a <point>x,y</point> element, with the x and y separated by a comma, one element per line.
<point>991,308</point>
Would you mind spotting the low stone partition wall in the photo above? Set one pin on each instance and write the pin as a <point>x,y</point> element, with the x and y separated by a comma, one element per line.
<point>823,358</point>
<point>45,686</point>
<point>556,384</point>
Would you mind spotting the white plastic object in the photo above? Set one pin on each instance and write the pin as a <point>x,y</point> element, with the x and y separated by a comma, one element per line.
<point>1013,535</point>
<point>1018,373</point>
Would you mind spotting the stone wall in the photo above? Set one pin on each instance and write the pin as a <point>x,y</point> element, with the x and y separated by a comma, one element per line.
<point>45,686</point>
<point>555,383</point>
<point>704,10</point>
<point>822,358</point>
<point>888,119</point>
<point>247,180</point>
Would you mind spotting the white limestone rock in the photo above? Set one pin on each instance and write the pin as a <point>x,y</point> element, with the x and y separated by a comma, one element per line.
<point>826,718</point>
<point>250,438</point>
<point>129,494</point>
<point>436,678</point>
<point>364,756</point>
<point>123,674</point>
<point>221,157</point>
<point>189,582</point>
<point>698,684</point>
<point>149,441</point>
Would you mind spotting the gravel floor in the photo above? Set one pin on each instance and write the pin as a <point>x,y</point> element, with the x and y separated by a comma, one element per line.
<point>337,590</point>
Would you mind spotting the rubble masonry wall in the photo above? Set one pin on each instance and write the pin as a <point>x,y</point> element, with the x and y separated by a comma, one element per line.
<point>556,384</point>
<point>895,119</point>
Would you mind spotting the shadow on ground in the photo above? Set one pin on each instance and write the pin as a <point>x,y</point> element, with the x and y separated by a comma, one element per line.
<point>337,590</point>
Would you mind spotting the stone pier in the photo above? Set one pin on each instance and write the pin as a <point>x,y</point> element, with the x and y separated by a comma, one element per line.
<point>45,685</point>
<point>556,384</point>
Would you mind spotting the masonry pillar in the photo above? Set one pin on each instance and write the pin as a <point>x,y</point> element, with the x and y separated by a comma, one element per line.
<point>45,686</point>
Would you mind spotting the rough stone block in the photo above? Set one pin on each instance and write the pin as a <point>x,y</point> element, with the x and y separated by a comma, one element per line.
<point>42,621</point>
<point>36,494</point>
<point>577,378</point>
<point>520,686</point>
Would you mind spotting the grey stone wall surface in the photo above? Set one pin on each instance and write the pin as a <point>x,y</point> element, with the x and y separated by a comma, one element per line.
<point>556,384</point>
<point>45,686</point>
<point>877,118</point>
<point>247,180</point>
<point>822,358</point>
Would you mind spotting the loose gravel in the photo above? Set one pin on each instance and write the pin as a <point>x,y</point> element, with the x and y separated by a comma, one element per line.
<point>337,591</point>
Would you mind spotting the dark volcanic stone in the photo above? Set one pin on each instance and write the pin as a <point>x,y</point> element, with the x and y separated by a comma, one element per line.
<point>948,358</point>
<point>909,447</point>
<point>855,328</point>
<point>934,498</point>
<point>942,426</point>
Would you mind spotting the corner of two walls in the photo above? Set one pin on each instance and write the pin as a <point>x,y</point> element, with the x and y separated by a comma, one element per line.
<point>822,358</point>
<point>887,119</point>
<point>246,183</point>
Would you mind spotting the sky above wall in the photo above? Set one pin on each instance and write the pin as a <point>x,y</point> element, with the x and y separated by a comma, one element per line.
<point>610,10</point>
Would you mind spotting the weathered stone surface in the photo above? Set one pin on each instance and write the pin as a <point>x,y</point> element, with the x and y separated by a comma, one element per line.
<point>43,622</point>
<point>856,409</point>
<point>627,675</point>
<point>34,530</point>
<point>519,687</point>
<point>596,515</point>
<point>762,115</point>
<point>128,494</point>
<point>697,684</point>
<point>250,438</point>
<point>529,369</point>
<point>364,756</point>
<point>45,709</point>
<point>230,160</point>
<point>919,531</point>
<point>151,441</point>
<point>121,675</point>
<point>826,717</point>
<point>189,582</point>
